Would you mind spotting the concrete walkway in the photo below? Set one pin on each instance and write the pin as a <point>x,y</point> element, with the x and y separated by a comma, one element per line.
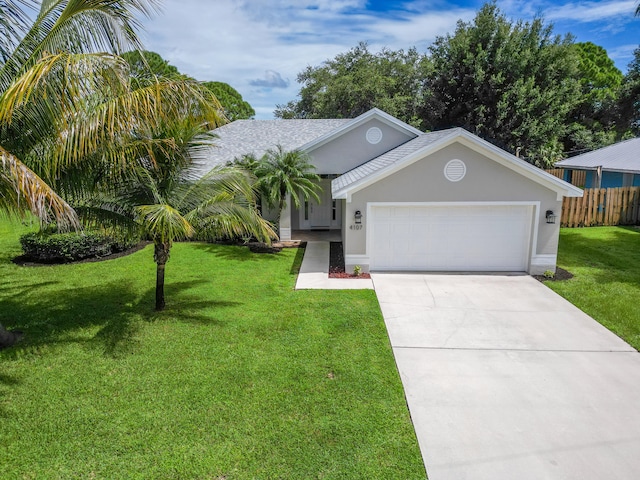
<point>314,271</point>
<point>506,380</point>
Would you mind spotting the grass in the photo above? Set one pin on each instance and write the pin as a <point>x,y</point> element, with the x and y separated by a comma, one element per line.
<point>240,378</point>
<point>605,262</point>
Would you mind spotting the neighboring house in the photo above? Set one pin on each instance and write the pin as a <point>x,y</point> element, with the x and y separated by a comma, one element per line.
<point>617,165</point>
<point>407,200</point>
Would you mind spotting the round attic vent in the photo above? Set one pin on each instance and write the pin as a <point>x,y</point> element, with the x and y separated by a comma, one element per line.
<point>374,135</point>
<point>455,170</point>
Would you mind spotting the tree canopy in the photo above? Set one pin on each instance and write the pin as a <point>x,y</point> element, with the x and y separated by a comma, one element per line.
<point>235,107</point>
<point>359,80</point>
<point>511,83</point>
<point>514,83</point>
<point>145,65</point>
<point>629,101</point>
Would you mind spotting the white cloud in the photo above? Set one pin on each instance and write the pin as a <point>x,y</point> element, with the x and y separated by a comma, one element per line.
<point>623,53</point>
<point>592,11</point>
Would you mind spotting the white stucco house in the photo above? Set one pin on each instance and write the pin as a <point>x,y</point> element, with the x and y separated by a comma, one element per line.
<point>406,200</point>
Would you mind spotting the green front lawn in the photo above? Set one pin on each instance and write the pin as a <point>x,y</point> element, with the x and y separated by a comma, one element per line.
<point>240,378</point>
<point>606,265</point>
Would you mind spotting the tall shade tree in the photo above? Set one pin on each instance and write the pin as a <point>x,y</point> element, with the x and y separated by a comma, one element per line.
<point>593,121</point>
<point>629,101</point>
<point>235,107</point>
<point>284,173</point>
<point>511,83</point>
<point>167,200</point>
<point>358,80</point>
<point>145,65</point>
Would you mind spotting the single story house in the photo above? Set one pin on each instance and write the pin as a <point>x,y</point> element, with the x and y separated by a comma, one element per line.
<point>407,200</point>
<point>617,165</point>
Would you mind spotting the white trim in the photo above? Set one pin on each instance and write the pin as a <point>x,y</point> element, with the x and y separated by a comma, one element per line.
<point>356,260</point>
<point>356,122</point>
<point>478,145</point>
<point>541,263</point>
<point>285,233</point>
<point>544,259</point>
<point>533,233</point>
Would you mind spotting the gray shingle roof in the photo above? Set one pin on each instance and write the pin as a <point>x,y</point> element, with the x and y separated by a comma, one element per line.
<point>388,159</point>
<point>257,136</point>
<point>622,157</point>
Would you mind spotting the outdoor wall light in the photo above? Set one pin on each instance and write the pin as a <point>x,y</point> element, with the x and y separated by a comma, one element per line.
<point>551,217</point>
<point>358,217</point>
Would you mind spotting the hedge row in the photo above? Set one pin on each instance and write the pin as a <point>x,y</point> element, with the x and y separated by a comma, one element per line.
<point>70,247</point>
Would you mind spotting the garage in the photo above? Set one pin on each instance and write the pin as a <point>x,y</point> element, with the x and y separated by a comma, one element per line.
<point>451,237</point>
<point>449,201</point>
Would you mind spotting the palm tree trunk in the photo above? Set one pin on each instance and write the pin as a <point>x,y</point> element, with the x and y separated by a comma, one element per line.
<point>160,255</point>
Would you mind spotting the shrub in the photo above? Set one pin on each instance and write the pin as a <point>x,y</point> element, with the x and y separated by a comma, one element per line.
<point>69,247</point>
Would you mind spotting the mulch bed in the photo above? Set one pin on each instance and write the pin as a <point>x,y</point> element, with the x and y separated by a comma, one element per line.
<point>561,274</point>
<point>336,263</point>
<point>259,247</point>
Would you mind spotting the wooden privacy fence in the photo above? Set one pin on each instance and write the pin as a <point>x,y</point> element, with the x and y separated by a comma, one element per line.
<point>602,206</point>
<point>578,177</point>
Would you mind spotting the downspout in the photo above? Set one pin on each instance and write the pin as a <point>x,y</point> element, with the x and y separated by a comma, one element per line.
<point>599,177</point>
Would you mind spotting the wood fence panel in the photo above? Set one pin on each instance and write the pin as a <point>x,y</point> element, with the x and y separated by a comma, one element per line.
<point>578,177</point>
<point>602,206</point>
<point>556,172</point>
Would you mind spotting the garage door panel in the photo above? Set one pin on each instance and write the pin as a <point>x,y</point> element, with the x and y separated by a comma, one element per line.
<point>451,238</point>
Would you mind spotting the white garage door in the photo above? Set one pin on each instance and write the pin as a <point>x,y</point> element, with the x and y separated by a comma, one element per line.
<point>451,238</point>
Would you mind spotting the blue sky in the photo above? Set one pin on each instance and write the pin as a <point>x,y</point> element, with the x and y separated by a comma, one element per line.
<point>259,46</point>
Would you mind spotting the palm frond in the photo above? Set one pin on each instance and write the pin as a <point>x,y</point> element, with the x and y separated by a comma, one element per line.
<point>14,23</point>
<point>21,189</point>
<point>164,223</point>
<point>78,26</point>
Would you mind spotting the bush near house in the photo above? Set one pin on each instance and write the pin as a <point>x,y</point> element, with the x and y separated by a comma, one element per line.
<point>70,247</point>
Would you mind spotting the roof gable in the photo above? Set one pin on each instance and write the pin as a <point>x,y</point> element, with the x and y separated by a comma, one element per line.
<point>426,144</point>
<point>358,121</point>
<point>620,157</point>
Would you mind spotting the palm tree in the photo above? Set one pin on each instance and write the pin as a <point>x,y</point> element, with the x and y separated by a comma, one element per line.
<point>65,103</point>
<point>167,202</point>
<point>281,173</point>
<point>62,98</point>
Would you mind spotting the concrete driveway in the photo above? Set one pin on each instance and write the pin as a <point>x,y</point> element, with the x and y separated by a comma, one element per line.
<point>507,380</point>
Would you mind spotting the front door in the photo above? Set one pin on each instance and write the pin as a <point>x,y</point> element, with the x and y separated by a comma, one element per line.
<point>320,212</point>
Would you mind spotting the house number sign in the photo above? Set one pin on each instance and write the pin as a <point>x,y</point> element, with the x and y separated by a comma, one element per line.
<point>355,227</point>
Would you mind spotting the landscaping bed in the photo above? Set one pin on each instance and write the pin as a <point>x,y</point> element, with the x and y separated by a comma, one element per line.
<point>336,263</point>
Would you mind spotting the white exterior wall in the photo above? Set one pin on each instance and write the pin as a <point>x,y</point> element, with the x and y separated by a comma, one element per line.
<point>485,181</point>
